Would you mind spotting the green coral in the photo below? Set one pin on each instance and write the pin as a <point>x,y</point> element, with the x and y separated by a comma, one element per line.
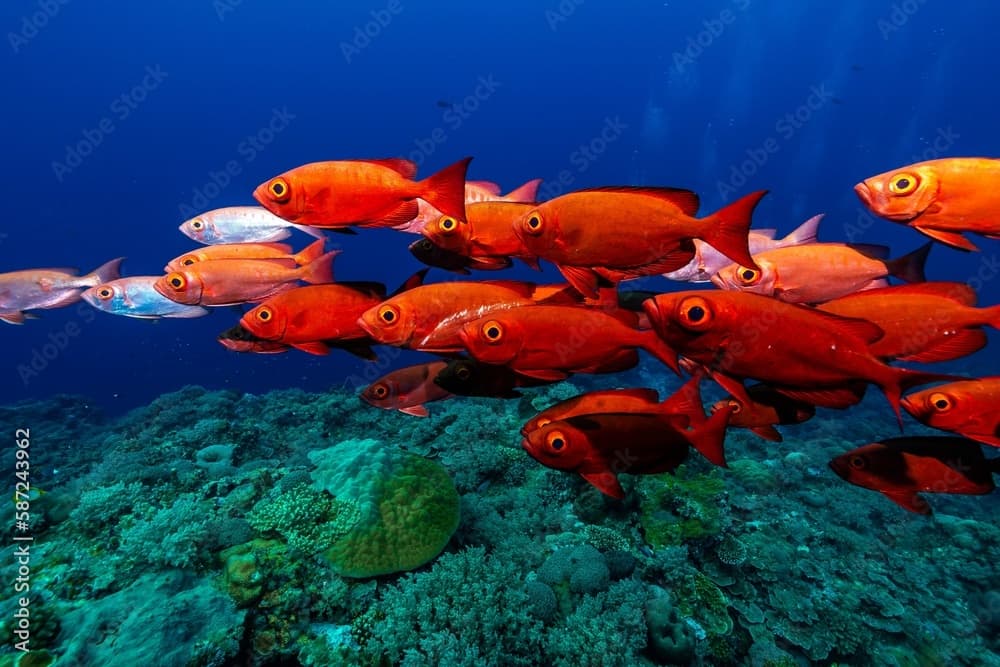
<point>702,600</point>
<point>309,520</point>
<point>681,507</point>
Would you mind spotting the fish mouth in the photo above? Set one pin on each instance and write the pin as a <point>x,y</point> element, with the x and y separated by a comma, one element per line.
<point>864,193</point>
<point>719,281</point>
<point>907,404</point>
<point>652,309</point>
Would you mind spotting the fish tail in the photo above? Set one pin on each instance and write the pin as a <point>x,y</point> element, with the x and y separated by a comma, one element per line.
<point>445,190</point>
<point>653,344</point>
<point>105,273</point>
<point>320,270</point>
<point>728,229</point>
<point>311,231</point>
<point>992,314</point>
<point>310,253</point>
<point>710,438</point>
<point>527,193</point>
<point>910,267</point>
<point>687,401</point>
<point>804,233</point>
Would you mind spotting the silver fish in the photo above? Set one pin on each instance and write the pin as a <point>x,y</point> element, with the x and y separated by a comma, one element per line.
<point>241,224</point>
<point>136,297</point>
<point>36,289</point>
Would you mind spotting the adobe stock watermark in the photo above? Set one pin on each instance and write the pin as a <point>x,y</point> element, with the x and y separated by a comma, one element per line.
<point>365,34</point>
<point>899,15</point>
<point>561,13</point>
<point>453,118</point>
<point>786,127</point>
<point>247,151</point>
<point>225,7</point>
<point>119,110</point>
<point>52,346</point>
<point>583,156</point>
<point>33,24</point>
<point>712,29</point>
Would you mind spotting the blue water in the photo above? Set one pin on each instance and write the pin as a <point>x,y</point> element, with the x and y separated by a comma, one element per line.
<point>532,84</point>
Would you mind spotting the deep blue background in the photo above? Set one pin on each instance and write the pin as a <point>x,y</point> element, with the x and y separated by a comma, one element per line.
<point>687,126</point>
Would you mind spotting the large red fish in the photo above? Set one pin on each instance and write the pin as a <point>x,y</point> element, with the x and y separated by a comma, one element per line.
<point>475,192</point>
<point>926,323</point>
<point>281,252</point>
<point>901,468</point>
<point>802,352</point>
<point>970,408</point>
<point>551,342</point>
<point>407,389</point>
<point>224,282</point>
<point>940,198</point>
<point>488,232</point>
<point>361,192</point>
<point>408,319</point>
<point>621,233</point>
<point>599,447</point>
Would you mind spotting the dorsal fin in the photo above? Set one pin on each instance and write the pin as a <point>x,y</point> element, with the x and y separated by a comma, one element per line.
<point>686,200</point>
<point>402,166</point>
<point>487,186</point>
<point>416,280</point>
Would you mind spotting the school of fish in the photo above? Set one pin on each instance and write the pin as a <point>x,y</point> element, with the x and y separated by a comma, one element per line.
<point>811,323</point>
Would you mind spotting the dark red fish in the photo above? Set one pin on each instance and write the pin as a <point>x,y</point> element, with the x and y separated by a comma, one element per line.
<point>767,409</point>
<point>468,377</point>
<point>901,468</point>
<point>407,389</point>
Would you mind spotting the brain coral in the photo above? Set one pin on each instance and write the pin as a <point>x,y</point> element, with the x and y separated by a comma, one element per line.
<point>408,506</point>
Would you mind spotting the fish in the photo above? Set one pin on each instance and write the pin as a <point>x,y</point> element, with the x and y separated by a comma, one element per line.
<point>685,403</point>
<point>599,447</point>
<point>238,339</point>
<point>241,224</point>
<point>373,193</point>
<point>468,377</point>
<point>314,317</point>
<point>224,282</point>
<point>902,468</point>
<point>137,297</point>
<point>407,389</point>
<point>488,231</point>
<point>432,255</point>
<point>410,319</point>
<point>803,353</point>
<point>607,235</point>
<point>280,252</point>
<point>708,261</point>
<point>968,408</point>
<point>550,342</point>
<point>767,408</point>
<point>942,199</point>
<point>39,289</point>
<point>475,192</point>
<point>820,272</point>
<point>926,323</point>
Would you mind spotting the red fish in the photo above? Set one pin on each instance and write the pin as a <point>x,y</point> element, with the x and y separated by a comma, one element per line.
<point>600,446</point>
<point>488,232</point>
<point>239,339</point>
<point>970,408</point>
<point>928,322</point>
<point>621,233</point>
<point>901,468</point>
<point>803,353</point>
<point>940,198</point>
<point>468,377</point>
<point>767,408</point>
<point>407,320</point>
<point>224,282</point>
<point>475,192</point>
<point>280,252</point>
<point>407,389</point>
<point>379,193</point>
<point>551,342</point>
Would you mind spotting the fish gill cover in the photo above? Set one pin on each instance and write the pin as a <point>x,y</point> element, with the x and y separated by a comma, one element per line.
<point>270,436</point>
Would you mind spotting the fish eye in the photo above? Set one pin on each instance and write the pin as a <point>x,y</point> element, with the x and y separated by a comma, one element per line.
<point>197,224</point>
<point>695,312</point>
<point>463,373</point>
<point>903,184</point>
<point>492,331</point>
<point>278,188</point>
<point>264,314</point>
<point>388,314</point>
<point>748,276</point>
<point>447,224</point>
<point>858,462</point>
<point>736,407</point>
<point>534,223</point>
<point>177,281</point>
<point>105,293</point>
<point>188,261</point>
<point>556,440</point>
<point>940,402</point>
<point>380,391</point>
